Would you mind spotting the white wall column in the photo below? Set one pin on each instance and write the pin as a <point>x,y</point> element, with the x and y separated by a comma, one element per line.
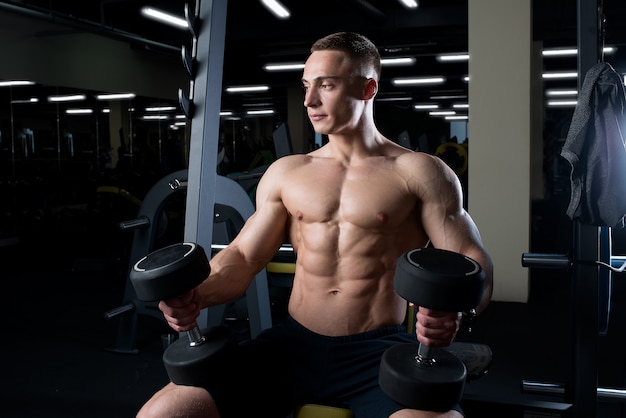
<point>503,135</point>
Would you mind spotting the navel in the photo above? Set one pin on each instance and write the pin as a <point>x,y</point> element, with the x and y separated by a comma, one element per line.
<point>381,217</point>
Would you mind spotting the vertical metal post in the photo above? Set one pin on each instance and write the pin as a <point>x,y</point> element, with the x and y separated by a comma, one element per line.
<point>205,124</point>
<point>586,247</point>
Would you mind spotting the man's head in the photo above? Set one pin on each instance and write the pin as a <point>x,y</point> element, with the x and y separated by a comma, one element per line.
<point>358,48</point>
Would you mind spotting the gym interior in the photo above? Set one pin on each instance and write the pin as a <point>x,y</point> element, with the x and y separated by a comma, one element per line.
<point>109,119</point>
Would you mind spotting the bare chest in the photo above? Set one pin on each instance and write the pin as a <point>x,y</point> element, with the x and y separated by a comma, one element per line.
<point>365,197</point>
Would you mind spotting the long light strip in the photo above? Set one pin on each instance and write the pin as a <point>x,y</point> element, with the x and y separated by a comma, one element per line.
<point>425,106</point>
<point>287,66</point>
<point>164,17</point>
<point>25,101</point>
<point>161,109</point>
<point>246,89</point>
<point>564,52</point>
<point>562,103</point>
<point>115,96</point>
<point>14,83</point>
<point>79,111</point>
<point>276,8</point>
<point>409,4</point>
<point>67,98</point>
<point>553,93</point>
<point>559,75</point>
<point>398,61</point>
<point>453,57</point>
<point>260,112</point>
<point>417,80</point>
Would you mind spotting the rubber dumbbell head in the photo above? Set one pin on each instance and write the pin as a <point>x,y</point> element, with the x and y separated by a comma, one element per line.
<point>170,271</point>
<point>442,280</point>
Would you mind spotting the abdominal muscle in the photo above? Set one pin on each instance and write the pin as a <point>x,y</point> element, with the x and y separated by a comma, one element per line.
<point>343,284</point>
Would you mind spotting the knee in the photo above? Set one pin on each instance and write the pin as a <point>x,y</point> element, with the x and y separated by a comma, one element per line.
<point>175,400</point>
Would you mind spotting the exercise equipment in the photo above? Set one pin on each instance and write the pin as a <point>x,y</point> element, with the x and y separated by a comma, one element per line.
<point>169,272</point>
<point>442,280</point>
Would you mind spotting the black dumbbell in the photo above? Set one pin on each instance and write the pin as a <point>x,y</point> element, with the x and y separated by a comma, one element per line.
<point>169,272</point>
<point>431,379</point>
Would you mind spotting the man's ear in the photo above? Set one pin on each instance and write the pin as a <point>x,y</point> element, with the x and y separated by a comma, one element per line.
<point>371,88</point>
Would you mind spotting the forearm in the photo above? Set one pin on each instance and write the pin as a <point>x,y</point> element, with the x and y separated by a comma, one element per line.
<point>229,278</point>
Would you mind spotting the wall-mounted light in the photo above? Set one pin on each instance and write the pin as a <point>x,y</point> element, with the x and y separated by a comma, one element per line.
<point>276,8</point>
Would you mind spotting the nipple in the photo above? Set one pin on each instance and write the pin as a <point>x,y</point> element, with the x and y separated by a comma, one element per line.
<point>299,215</point>
<point>381,217</point>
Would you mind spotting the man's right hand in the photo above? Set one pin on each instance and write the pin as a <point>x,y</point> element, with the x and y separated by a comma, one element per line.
<point>181,312</point>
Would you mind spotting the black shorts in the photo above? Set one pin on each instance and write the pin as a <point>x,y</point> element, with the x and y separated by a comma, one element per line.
<point>288,365</point>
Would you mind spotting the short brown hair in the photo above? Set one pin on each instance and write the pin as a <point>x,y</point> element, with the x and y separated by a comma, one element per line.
<point>357,46</point>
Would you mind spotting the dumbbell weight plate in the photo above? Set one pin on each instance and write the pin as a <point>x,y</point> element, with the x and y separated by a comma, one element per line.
<point>196,365</point>
<point>439,279</point>
<point>170,271</point>
<point>436,387</point>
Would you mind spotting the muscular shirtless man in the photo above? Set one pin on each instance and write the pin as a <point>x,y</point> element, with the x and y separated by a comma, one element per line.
<point>350,209</point>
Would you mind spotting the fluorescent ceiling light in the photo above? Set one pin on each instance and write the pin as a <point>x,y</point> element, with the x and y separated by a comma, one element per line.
<point>460,106</point>
<point>417,80</point>
<point>16,83</point>
<point>115,96</point>
<point>226,113</point>
<point>394,99</point>
<point>155,117</point>
<point>447,97</point>
<point>160,108</point>
<point>409,4</point>
<point>287,66</point>
<point>561,92</point>
<point>390,62</point>
<point>260,112</point>
<point>164,17</point>
<point>559,75</point>
<point>457,117</point>
<point>443,113</point>
<point>562,103</point>
<point>79,111</point>
<point>67,98</point>
<point>453,57</point>
<point>107,110</point>
<point>565,52</point>
<point>22,101</point>
<point>276,8</point>
<point>246,89</point>
<point>425,106</point>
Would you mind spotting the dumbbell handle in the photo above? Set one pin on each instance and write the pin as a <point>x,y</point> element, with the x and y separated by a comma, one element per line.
<point>195,336</point>
<point>425,355</point>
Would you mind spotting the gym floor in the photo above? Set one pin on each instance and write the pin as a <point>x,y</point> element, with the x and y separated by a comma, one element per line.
<point>58,364</point>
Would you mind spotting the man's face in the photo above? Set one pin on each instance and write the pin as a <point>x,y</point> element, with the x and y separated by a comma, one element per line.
<point>333,92</point>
